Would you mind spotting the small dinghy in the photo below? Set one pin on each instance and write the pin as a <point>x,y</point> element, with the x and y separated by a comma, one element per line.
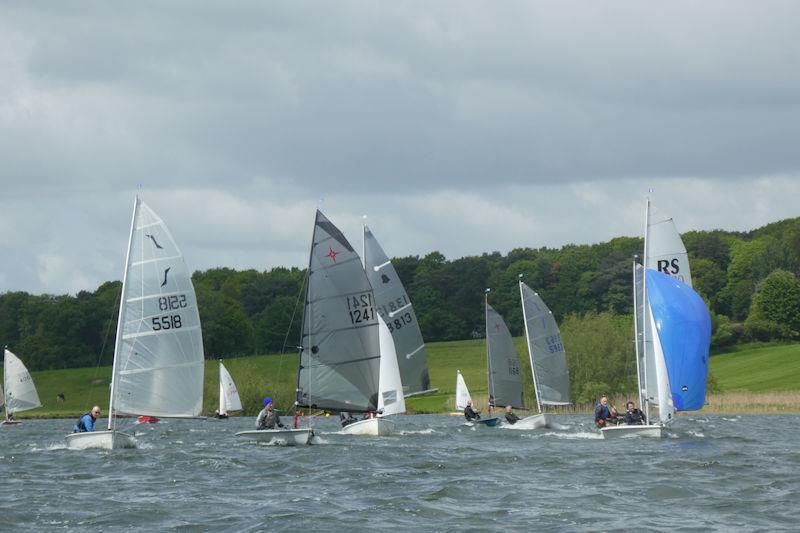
<point>285,437</point>
<point>20,393</point>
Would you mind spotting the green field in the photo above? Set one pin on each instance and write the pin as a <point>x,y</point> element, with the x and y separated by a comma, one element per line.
<point>753,369</point>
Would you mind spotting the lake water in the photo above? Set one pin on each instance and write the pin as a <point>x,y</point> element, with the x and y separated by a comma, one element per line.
<point>714,473</point>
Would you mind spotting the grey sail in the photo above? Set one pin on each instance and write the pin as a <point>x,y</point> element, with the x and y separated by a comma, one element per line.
<point>395,308</point>
<point>340,350</point>
<point>548,360</point>
<point>639,327</point>
<point>505,382</point>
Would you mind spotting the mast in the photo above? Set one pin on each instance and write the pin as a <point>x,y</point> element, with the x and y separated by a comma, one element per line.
<point>528,342</point>
<point>120,325</point>
<point>644,310</point>
<point>636,344</point>
<point>221,390</point>
<point>489,372</point>
<point>5,383</point>
<point>303,325</point>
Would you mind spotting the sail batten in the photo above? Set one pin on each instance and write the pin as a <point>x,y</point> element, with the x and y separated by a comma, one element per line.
<point>397,310</point>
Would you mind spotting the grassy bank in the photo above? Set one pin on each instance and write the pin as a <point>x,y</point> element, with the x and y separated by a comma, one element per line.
<point>751,379</point>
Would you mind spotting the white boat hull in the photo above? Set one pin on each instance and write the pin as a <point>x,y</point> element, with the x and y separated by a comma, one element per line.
<point>541,420</point>
<point>616,432</point>
<point>286,437</point>
<point>105,440</point>
<point>377,427</point>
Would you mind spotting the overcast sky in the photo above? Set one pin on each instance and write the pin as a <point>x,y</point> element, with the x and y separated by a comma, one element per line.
<point>463,127</point>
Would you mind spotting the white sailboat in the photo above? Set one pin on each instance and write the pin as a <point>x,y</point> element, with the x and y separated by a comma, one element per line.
<point>391,400</point>
<point>462,394</point>
<point>158,356</point>
<point>18,392</point>
<point>672,329</point>
<point>547,356</point>
<point>228,395</point>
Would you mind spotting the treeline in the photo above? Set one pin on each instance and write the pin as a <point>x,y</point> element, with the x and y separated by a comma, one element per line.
<point>748,279</point>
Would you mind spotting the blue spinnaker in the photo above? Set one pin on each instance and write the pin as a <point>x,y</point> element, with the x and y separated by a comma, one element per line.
<point>684,329</point>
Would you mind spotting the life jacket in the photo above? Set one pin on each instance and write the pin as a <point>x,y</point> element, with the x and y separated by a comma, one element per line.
<point>80,427</point>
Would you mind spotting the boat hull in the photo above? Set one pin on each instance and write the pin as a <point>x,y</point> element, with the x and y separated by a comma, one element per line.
<point>488,422</point>
<point>376,427</point>
<point>286,437</point>
<point>9,422</point>
<point>104,440</point>
<point>541,420</point>
<point>616,432</point>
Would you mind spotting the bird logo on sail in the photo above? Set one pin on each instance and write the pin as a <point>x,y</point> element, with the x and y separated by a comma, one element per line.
<point>163,283</point>
<point>152,237</point>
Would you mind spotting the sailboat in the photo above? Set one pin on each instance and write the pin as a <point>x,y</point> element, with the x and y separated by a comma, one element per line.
<point>548,360</point>
<point>158,355</point>
<point>462,394</point>
<point>395,307</point>
<point>18,392</point>
<point>502,365</point>
<point>228,395</point>
<point>390,391</point>
<point>673,331</point>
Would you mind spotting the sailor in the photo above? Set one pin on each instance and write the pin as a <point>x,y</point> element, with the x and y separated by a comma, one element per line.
<point>633,416</point>
<point>511,417</point>
<point>601,412</point>
<point>470,413</point>
<point>346,419</point>
<point>87,421</point>
<point>268,418</point>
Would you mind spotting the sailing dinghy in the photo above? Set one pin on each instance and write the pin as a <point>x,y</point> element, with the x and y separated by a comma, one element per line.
<point>158,356</point>
<point>18,392</point>
<point>548,360</point>
<point>228,395</point>
<point>673,331</point>
<point>502,365</point>
<point>395,307</point>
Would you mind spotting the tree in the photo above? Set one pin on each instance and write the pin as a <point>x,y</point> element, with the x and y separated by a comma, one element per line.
<point>775,311</point>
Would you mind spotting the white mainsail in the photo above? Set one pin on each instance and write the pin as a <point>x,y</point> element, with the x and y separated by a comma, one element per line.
<point>158,358</point>
<point>664,249</point>
<point>20,392</point>
<point>462,393</point>
<point>390,386</point>
<point>228,395</point>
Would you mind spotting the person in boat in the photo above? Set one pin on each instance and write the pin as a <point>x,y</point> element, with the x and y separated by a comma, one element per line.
<point>602,413</point>
<point>219,414</point>
<point>633,416</point>
<point>346,418</point>
<point>470,413</point>
<point>614,419</point>
<point>268,418</point>
<point>9,416</point>
<point>511,416</point>
<point>87,421</point>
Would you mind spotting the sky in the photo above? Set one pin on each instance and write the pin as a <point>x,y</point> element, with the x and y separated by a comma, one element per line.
<point>460,127</point>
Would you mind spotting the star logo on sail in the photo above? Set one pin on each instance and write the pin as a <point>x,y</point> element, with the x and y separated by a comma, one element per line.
<point>332,254</point>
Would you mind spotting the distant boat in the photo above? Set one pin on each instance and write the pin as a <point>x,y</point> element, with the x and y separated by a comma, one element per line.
<point>395,308</point>
<point>547,356</point>
<point>502,363</point>
<point>20,392</point>
<point>228,395</point>
<point>158,356</point>
<point>462,394</point>
<point>672,328</point>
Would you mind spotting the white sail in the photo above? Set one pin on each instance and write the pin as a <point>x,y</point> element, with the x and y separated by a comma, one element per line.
<point>664,249</point>
<point>158,359</point>
<point>462,393</point>
<point>228,395</point>
<point>665,406</point>
<point>390,386</point>
<point>20,392</point>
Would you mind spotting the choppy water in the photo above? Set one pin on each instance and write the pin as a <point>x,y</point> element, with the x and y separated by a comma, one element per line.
<point>715,472</point>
